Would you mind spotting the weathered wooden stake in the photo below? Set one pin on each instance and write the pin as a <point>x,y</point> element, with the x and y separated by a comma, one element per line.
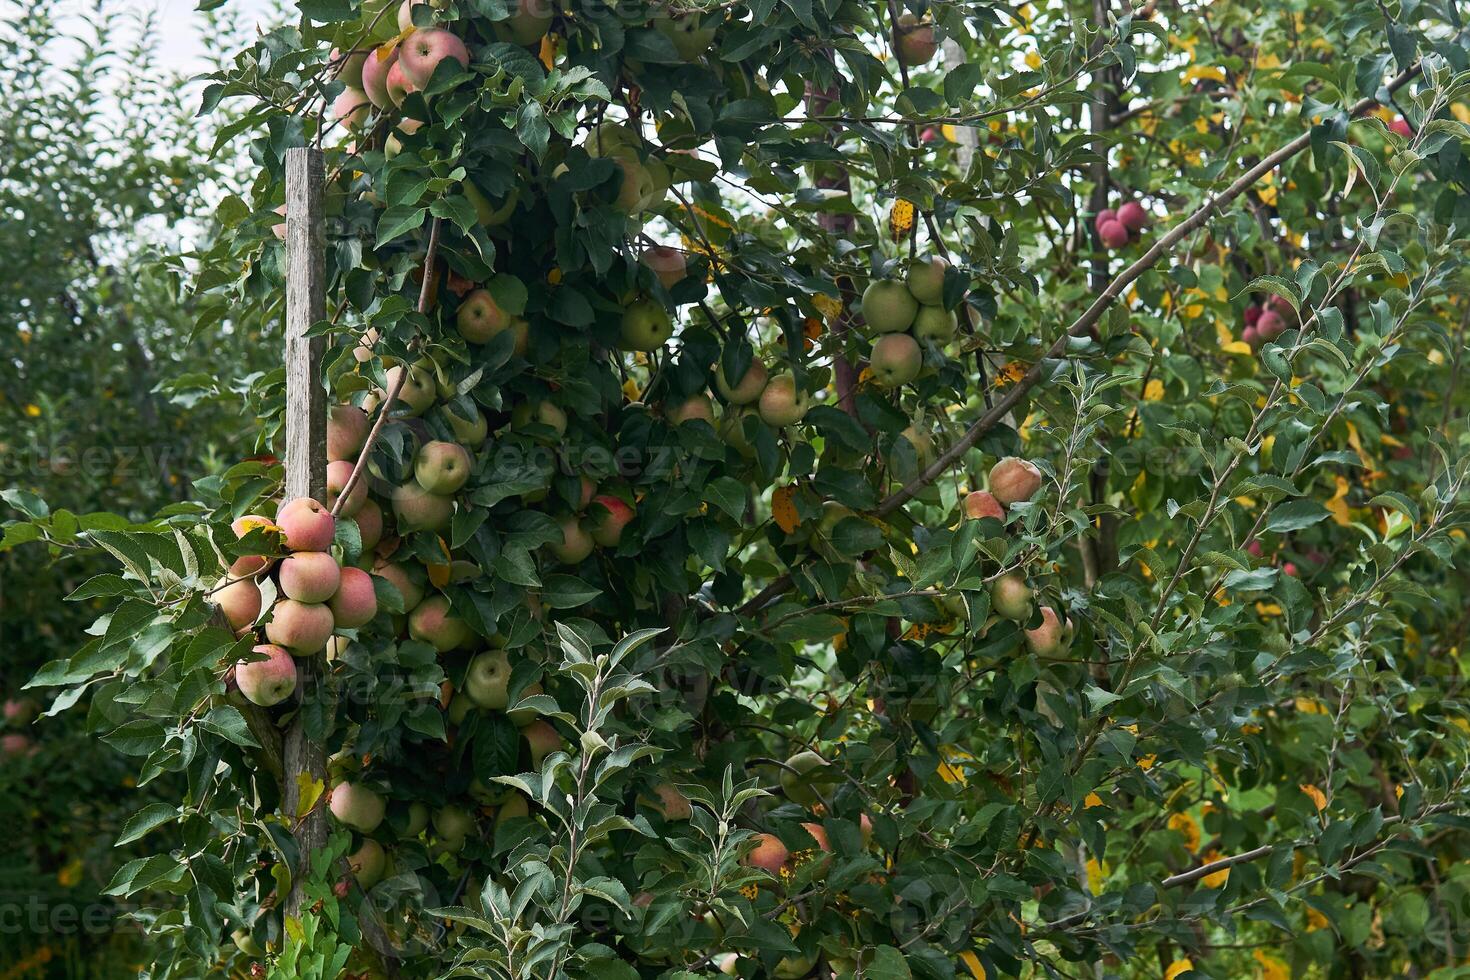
<point>306,471</point>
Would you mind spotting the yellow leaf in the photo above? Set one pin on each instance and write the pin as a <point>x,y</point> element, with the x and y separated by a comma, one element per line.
<point>33,410</point>
<point>1337,506</point>
<point>1186,827</point>
<point>70,874</point>
<point>901,219</point>
<point>1318,798</point>
<point>1092,800</point>
<point>1153,391</point>
<point>783,509</point>
<point>1176,968</point>
<point>548,51</point>
<point>309,791</point>
<point>948,770</point>
<point>1033,60</point>
<point>1219,877</point>
<point>1097,873</point>
<point>972,963</point>
<point>1315,919</point>
<point>1271,967</point>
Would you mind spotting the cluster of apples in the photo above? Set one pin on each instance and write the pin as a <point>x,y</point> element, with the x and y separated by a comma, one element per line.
<point>1014,480</point>
<point>1264,322</point>
<point>1117,228</point>
<point>900,314</point>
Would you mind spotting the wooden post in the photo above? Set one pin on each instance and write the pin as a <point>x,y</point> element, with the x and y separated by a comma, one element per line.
<point>306,473</point>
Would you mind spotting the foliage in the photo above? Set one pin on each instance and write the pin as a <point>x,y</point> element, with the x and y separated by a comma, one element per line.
<point>1227,734</point>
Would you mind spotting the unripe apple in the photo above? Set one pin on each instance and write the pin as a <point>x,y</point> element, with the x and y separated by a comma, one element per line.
<point>270,681</point>
<point>795,785</point>
<point>888,306</point>
<point>576,543</point>
<point>433,622</point>
<point>541,413</point>
<point>688,32</point>
<point>367,863</point>
<point>486,680</point>
<point>543,739</point>
<point>515,807</point>
<point>409,586</point>
<point>442,467</point>
<point>1112,234</point>
<point>418,819</point>
<point>795,966</point>
<point>769,854</point>
<point>671,803</point>
<point>469,432</point>
<point>1013,480</point>
<point>356,806</point>
<point>350,108</point>
<point>369,520</point>
<point>729,964</point>
<point>609,521</point>
<point>339,471</point>
<point>239,602</point>
<point>636,185</point>
<point>926,280</point>
<point>480,319</point>
<point>418,391</point>
<point>1132,216</point>
<point>348,67</point>
<point>752,383</point>
<point>355,602</point>
<point>347,431</point>
<point>732,430</point>
<point>1010,597</point>
<point>453,826</point>
<point>310,576</point>
<point>979,503</point>
<point>693,407</point>
<point>521,717</point>
<point>935,324</point>
<point>301,627</point>
<point>1052,637</point>
<point>646,325</point>
<point>896,360</point>
<point>487,214</point>
<point>913,41</point>
<point>416,509</point>
<point>425,49</point>
<point>375,69</point>
<point>528,23</point>
<point>781,404</point>
<point>667,263</point>
<point>306,525</point>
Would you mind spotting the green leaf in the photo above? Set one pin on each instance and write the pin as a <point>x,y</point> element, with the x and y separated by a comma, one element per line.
<point>1295,515</point>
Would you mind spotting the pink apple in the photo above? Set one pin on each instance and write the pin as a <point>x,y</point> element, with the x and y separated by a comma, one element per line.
<point>979,503</point>
<point>375,68</point>
<point>667,263</point>
<point>1013,480</point>
<point>306,524</point>
<point>310,576</point>
<point>1132,216</point>
<point>301,627</point>
<point>1112,234</point>
<point>425,49</point>
<point>270,681</point>
<point>355,602</point>
<point>609,521</point>
<point>239,602</point>
<point>347,432</point>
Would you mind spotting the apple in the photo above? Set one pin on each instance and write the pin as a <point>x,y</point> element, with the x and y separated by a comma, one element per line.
<point>301,627</point>
<point>480,320</point>
<point>751,384</point>
<point>729,964</point>
<point>1132,216</point>
<point>796,966</point>
<point>470,431</point>
<point>310,576</point>
<point>521,717</point>
<point>433,622</point>
<point>239,602</point>
<point>1010,597</point>
<point>732,430</point>
<point>1400,127</point>
<point>529,22</point>
<point>1270,326</point>
<point>913,41</point>
<point>1052,637</point>
<point>542,739</point>
<point>375,68</point>
<point>671,803</point>
<point>442,467</point>
<point>896,360</point>
<point>922,442</point>
<point>1103,217</point>
<point>607,525</point>
<point>687,32</point>
<point>769,854</point>
<point>355,602</point>
<point>425,49</point>
<point>248,564</point>
<point>350,108</point>
<point>405,14</point>
<point>1251,337</point>
<point>935,324</point>
<point>356,806</point>
<point>417,392</point>
<point>795,785</point>
<point>398,576</point>
<point>514,808</point>
<point>21,711</point>
<point>667,263</point>
<point>416,509</point>
<point>487,214</point>
<point>1013,480</point>
<point>453,826</point>
<point>926,280</point>
<point>1252,314</point>
<point>339,471</point>
<point>270,681</point>
<point>13,746</point>
<point>981,503</point>
<point>486,681</point>
<point>646,325</point>
<point>399,87</point>
<point>541,413</point>
<point>819,835</point>
<point>306,525</point>
<point>367,863</point>
<point>781,404</point>
<point>369,521</point>
<point>1112,234</point>
<point>576,543</point>
<point>349,67</point>
<point>691,408</point>
<point>347,432</point>
<point>888,306</point>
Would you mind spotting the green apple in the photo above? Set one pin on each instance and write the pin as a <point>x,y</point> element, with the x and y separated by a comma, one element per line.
<point>781,403</point>
<point>935,324</point>
<point>888,306</point>
<point>752,383</point>
<point>646,325</point>
<point>486,680</point>
<point>896,359</point>
<point>926,279</point>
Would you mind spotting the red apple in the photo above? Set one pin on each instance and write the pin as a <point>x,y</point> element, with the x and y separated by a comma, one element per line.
<point>425,49</point>
<point>306,525</point>
<point>270,681</point>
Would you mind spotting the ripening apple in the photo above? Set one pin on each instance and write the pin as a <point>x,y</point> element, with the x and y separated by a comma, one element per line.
<point>981,503</point>
<point>306,525</point>
<point>350,108</point>
<point>425,49</point>
<point>752,383</point>
<point>1010,597</point>
<point>667,263</point>
<point>926,280</point>
<point>301,627</point>
<point>888,306</point>
<point>671,803</point>
<point>1013,480</point>
<point>542,739</point>
<point>646,325</point>
<point>399,86</point>
<point>417,392</point>
<point>434,622</point>
<point>355,602</point>
<point>310,576</point>
<point>339,471</point>
<point>794,778</point>
<point>15,746</point>
<point>769,854</point>
<point>481,321</point>
<point>1052,637</point>
<point>1400,127</point>
<point>688,32</point>
<point>398,576</point>
<point>1112,234</point>
<point>610,515</point>
<point>576,542</point>
<point>541,413</point>
<point>691,408</point>
<point>347,432</point>
<point>248,564</point>
<point>1132,216</point>
<point>375,69</point>
<point>935,324</point>
<point>781,404</point>
<point>405,14</point>
<point>896,360</point>
<point>367,863</point>
<point>356,806</point>
<point>487,680</point>
<point>416,509</point>
<point>369,519</point>
<point>528,23</point>
<point>239,602</point>
<point>348,67</point>
<point>471,431</point>
<point>913,41</point>
<point>442,467</point>
<point>270,681</point>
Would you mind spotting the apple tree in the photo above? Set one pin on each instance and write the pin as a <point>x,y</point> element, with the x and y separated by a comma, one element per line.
<point>839,489</point>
